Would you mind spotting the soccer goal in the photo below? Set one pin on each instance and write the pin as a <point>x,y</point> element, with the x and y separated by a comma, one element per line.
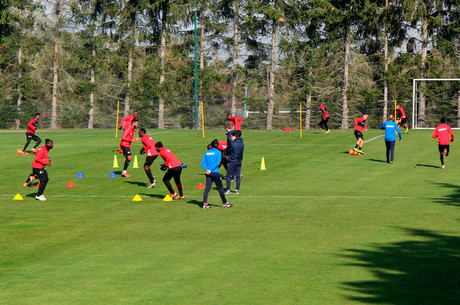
<point>441,100</point>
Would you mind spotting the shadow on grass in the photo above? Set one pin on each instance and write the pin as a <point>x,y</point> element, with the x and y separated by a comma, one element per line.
<point>421,270</point>
<point>136,183</point>
<point>427,165</point>
<point>453,198</point>
<point>152,195</point>
<point>377,160</point>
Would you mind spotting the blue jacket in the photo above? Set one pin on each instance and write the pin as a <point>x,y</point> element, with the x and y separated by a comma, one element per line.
<point>390,128</point>
<point>235,150</point>
<point>211,160</point>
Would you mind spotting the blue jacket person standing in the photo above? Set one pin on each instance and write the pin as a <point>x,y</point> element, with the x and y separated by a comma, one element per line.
<point>390,137</point>
<point>235,151</point>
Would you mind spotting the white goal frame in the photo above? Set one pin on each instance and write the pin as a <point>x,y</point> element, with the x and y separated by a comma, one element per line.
<point>414,95</point>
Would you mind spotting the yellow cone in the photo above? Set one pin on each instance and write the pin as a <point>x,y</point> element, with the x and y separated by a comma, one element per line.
<point>115,161</point>
<point>18,197</point>
<point>137,198</point>
<point>167,198</point>
<point>135,164</point>
<point>262,164</point>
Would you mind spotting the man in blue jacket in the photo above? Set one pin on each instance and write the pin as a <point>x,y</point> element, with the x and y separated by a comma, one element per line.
<point>210,164</point>
<point>235,151</point>
<point>390,137</point>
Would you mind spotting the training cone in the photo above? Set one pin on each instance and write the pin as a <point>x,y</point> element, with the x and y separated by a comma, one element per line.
<point>262,164</point>
<point>70,184</point>
<point>115,162</point>
<point>112,175</point>
<point>200,186</point>
<point>120,151</point>
<point>38,185</point>
<point>351,152</point>
<point>18,197</point>
<point>80,175</point>
<point>137,198</point>
<point>357,153</point>
<point>167,198</point>
<point>176,187</point>
<point>135,164</point>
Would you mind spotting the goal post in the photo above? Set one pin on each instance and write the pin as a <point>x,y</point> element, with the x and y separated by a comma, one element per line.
<point>415,106</point>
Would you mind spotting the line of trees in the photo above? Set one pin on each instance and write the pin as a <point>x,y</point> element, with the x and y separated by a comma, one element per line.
<point>78,58</point>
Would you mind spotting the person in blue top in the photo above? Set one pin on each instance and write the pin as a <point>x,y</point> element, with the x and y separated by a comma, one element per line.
<point>210,164</point>
<point>390,137</point>
<point>235,149</point>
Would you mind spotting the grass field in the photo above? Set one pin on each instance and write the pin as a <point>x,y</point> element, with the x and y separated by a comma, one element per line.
<point>316,227</point>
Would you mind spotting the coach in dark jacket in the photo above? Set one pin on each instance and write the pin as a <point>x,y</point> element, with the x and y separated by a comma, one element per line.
<point>235,151</point>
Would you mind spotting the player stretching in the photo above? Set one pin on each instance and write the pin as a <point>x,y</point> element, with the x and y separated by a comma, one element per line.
<point>149,149</point>
<point>210,164</point>
<point>127,120</point>
<point>236,122</point>
<point>125,145</point>
<point>38,168</point>
<point>174,167</point>
<point>401,117</point>
<point>324,118</point>
<point>442,132</point>
<point>360,126</point>
<point>390,137</point>
<point>30,135</point>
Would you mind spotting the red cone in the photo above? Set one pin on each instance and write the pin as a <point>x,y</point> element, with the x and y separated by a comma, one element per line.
<point>70,184</point>
<point>200,186</point>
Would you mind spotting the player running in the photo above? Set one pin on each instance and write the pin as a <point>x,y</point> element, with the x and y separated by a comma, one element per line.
<point>41,160</point>
<point>236,122</point>
<point>401,117</point>
<point>30,135</point>
<point>148,148</point>
<point>390,137</point>
<point>125,145</point>
<point>127,120</point>
<point>174,167</point>
<point>442,132</point>
<point>324,118</point>
<point>360,126</point>
<point>210,163</point>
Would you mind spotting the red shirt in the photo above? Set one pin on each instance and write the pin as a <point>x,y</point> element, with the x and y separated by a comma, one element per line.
<point>128,136</point>
<point>360,124</point>
<point>236,123</point>
<point>323,109</point>
<point>403,114</point>
<point>170,159</point>
<point>442,132</point>
<point>127,120</point>
<point>32,128</point>
<point>149,145</point>
<point>41,158</point>
<point>222,146</point>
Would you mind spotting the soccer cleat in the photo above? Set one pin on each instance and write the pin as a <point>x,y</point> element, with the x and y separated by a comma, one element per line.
<point>227,205</point>
<point>33,149</point>
<point>41,198</point>
<point>327,131</point>
<point>205,206</point>
<point>236,192</point>
<point>391,162</point>
<point>181,197</point>
<point>356,149</point>
<point>152,184</point>
<point>174,196</point>
<point>126,175</point>
<point>25,184</point>
<point>360,151</point>
<point>227,192</point>
<point>442,166</point>
<point>407,131</point>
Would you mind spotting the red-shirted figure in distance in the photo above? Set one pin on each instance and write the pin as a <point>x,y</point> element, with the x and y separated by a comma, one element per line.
<point>125,145</point>
<point>174,170</point>
<point>30,135</point>
<point>401,118</point>
<point>445,135</point>
<point>41,160</point>
<point>126,121</point>
<point>148,148</point>
<point>324,118</point>
<point>360,126</point>
<point>236,122</point>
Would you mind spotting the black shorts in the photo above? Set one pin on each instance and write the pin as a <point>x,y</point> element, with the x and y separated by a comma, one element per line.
<point>32,136</point>
<point>358,135</point>
<point>404,121</point>
<point>442,147</point>
<point>126,151</point>
<point>149,160</point>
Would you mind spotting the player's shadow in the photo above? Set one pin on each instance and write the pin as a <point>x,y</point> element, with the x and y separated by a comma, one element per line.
<point>200,203</point>
<point>423,269</point>
<point>427,165</point>
<point>452,199</point>
<point>153,195</point>
<point>136,183</point>
<point>377,160</point>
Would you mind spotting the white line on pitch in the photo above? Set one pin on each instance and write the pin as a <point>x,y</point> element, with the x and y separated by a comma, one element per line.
<point>374,138</point>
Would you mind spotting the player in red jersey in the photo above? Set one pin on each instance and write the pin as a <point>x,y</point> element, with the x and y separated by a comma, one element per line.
<point>125,145</point>
<point>148,148</point>
<point>174,170</point>
<point>401,117</point>
<point>236,122</point>
<point>324,118</point>
<point>360,126</point>
<point>127,120</point>
<point>41,160</point>
<point>445,135</point>
<point>223,149</point>
<point>30,135</point>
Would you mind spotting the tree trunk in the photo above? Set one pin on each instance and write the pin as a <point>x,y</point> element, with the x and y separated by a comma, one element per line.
<point>422,98</point>
<point>345,84</point>
<point>308,112</point>
<point>202,42</point>
<point>161,103</point>
<point>235,57</point>
<point>130,78</point>
<point>271,84</point>
<point>458,93</point>
<point>53,123</point>
<point>91,96</point>
<point>19,101</point>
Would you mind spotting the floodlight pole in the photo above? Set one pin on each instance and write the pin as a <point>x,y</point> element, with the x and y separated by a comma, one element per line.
<point>196,81</point>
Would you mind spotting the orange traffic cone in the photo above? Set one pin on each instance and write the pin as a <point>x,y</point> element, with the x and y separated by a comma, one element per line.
<point>70,184</point>
<point>351,152</point>
<point>200,186</point>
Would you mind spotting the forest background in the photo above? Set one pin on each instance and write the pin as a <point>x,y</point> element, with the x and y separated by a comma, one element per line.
<point>73,61</point>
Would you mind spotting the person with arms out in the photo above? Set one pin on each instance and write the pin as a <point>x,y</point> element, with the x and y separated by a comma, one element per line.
<point>235,151</point>
<point>360,126</point>
<point>30,135</point>
<point>390,137</point>
<point>210,163</point>
<point>324,118</point>
<point>401,118</point>
<point>41,160</point>
<point>236,122</point>
<point>148,148</point>
<point>174,170</point>
<point>445,135</point>
<point>127,120</point>
<point>125,145</point>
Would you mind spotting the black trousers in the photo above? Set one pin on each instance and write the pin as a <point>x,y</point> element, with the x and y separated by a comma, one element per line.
<point>390,148</point>
<point>30,137</point>
<point>323,123</point>
<point>175,173</point>
<point>42,175</point>
<point>214,177</point>
<point>234,168</point>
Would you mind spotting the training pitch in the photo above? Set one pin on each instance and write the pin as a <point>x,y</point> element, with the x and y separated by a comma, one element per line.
<point>318,226</point>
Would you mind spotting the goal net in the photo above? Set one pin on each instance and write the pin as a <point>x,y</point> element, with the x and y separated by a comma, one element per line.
<point>441,100</point>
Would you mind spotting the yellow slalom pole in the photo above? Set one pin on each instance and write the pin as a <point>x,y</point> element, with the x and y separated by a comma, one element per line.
<point>301,120</point>
<point>116,126</point>
<point>395,112</point>
<point>202,117</point>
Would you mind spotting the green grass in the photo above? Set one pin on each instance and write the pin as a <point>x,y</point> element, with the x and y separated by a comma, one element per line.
<point>317,227</point>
